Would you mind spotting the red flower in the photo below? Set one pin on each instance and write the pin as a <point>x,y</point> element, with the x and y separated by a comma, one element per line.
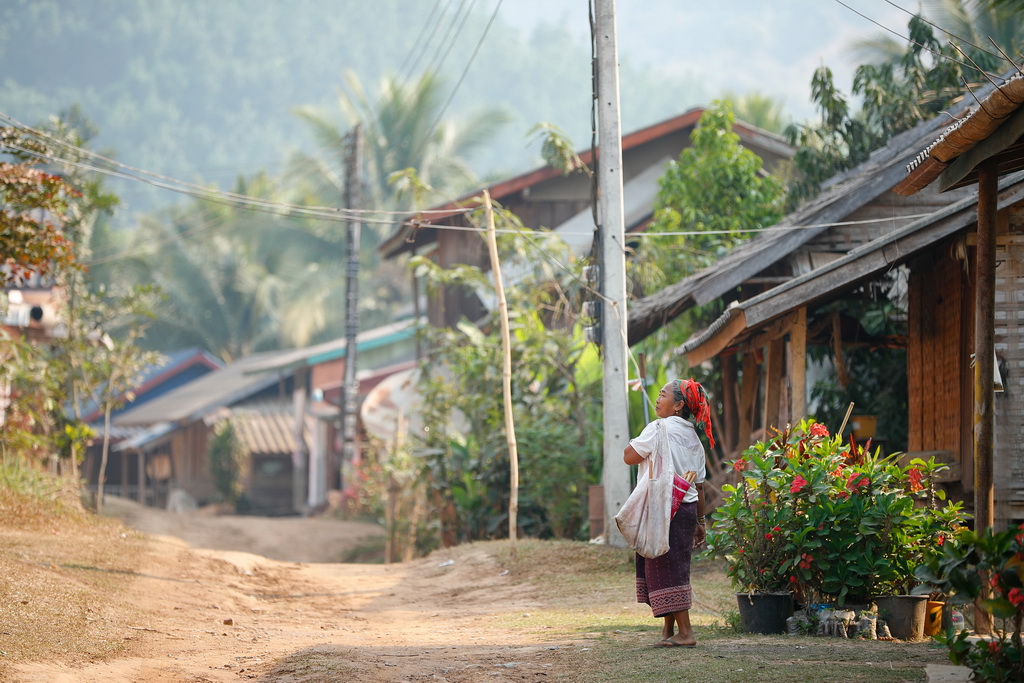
<point>993,646</point>
<point>805,562</point>
<point>942,539</point>
<point>856,481</point>
<point>818,429</point>
<point>739,465</point>
<point>792,579</point>
<point>914,475</point>
<point>775,528</point>
<point>993,580</point>
<point>798,483</point>
<point>768,536</point>
<point>1016,597</point>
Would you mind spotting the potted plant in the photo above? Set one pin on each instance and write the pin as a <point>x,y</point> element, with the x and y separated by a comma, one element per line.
<point>829,520</point>
<point>751,531</point>
<point>968,562</point>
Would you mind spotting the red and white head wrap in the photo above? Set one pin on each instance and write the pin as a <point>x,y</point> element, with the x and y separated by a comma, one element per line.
<point>695,402</point>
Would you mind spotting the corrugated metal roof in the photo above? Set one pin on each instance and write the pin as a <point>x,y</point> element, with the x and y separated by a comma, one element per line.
<point>204,395</point>
<point>332,350</point>
<point>268,427</point>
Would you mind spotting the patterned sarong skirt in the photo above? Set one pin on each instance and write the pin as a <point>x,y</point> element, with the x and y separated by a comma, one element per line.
<point>664,582</point>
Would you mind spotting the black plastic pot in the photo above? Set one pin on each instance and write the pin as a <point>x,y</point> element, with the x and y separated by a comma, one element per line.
<point>764,612</point>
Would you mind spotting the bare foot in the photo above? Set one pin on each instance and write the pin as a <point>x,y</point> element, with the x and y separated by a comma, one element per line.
<point>677,641</point>
<point>668,629</point>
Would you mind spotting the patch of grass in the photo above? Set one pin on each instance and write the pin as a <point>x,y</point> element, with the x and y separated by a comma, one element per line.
<point>589,597</point>
<point>314,665</point>
<point>628,657</point>
<point>63,571</point>
<point>367,551</point>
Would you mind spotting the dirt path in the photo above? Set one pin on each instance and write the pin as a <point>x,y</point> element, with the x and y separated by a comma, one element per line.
<point>209,612</point>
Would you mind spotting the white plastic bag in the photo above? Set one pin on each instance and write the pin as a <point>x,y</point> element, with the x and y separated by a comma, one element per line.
<point>645,517</point>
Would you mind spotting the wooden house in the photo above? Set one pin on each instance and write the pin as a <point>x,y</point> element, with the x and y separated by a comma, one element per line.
<point>761,338</point>
<point>280,404</point>
<point>546,198</point>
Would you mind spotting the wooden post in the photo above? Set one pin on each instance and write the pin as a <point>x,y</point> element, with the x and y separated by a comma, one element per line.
<point>774,374</point>
<point>798,366</point>
<point>729,429</point>
<point>748,397</point>
<point>506,374</point>
<point>984,360</point>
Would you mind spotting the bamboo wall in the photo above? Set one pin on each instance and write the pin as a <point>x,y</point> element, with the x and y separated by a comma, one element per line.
<point>938,347</point>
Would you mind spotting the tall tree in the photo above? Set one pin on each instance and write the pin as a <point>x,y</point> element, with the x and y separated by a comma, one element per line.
<point>236,280</point>
<point>717,192</point>
<point>901,86</point>
<point>404,127</point>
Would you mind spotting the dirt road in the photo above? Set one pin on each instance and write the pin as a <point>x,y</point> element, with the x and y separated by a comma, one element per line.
<point>208,611</point>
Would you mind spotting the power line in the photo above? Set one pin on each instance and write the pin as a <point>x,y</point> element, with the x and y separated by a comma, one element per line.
<point>686,233</point>
<point>120,170</point>
<point>923,47</point>
<point>948,33</point>
<point>420,42</point>
<point>462,77</point>
<point>450,37</point>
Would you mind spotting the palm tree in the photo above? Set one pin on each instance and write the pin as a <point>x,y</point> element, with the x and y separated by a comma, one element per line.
<point>402,129</point>
<point>235,280</point>
<point>969,24</point>
<point>758,109</point>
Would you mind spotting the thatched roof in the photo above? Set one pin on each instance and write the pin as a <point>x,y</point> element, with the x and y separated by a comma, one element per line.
<point>976,130</point>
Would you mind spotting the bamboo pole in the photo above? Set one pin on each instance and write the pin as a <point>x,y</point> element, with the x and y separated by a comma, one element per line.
<point>506,374</point>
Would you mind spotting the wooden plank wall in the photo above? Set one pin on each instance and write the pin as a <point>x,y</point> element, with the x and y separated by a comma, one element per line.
<point>1008,465</point>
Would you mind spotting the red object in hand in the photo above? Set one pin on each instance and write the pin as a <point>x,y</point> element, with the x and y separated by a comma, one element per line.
<point>679,488</point>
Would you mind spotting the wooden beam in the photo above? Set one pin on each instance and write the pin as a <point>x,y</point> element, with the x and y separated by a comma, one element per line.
<point>748,398</point>
<point>984,359</point>
<point>774,376</point>
<point>1007,133</point>
<point>719,341</point>
<point>798,365</point>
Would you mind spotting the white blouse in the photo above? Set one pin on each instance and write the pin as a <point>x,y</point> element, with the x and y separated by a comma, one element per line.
<point>686,448</point>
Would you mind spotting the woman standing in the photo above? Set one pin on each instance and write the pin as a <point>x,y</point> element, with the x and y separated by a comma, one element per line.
<point>664,582</point>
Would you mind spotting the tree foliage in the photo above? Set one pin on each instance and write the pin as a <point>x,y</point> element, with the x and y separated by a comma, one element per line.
<point>465,465</point>
<point>35,204</point>
<point>717,193</point>
<point>900,87</point>
<point>226,456</point>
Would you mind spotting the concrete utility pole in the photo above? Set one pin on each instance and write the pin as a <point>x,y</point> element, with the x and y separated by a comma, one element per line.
<point>350,385</point>
<point>611,234</point>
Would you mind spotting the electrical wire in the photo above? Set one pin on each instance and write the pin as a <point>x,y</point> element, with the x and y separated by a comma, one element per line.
<point>686,233</point>
<point>120,170</point>
<point>948,33</point>
<point>420,42</point>
<point>462,77</point>
<point>924,47</point>
<point>449,38</point>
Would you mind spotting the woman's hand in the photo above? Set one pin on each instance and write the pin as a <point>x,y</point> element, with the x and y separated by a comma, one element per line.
<point>700,534</point>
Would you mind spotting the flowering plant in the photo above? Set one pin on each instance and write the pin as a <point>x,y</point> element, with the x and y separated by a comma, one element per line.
<point>844,524</point>
<point>968,563</point>
<point>750,530</point>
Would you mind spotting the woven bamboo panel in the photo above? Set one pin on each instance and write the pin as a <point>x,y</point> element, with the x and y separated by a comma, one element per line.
<point>934,355</point>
